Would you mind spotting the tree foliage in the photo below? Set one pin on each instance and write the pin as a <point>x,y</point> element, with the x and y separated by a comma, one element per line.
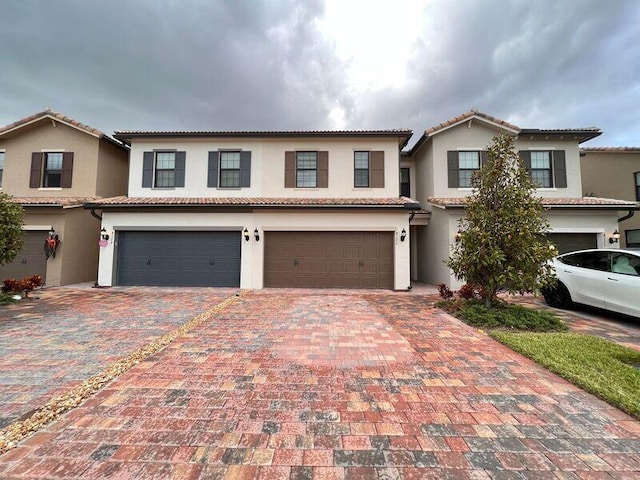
<point>501,245</point>
<point>10,229</point>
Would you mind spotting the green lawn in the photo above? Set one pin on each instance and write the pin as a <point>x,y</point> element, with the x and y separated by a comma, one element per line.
<point>598,366</point>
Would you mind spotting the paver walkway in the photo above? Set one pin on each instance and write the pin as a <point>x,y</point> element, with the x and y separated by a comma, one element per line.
<point>386,387</point>
<point>49,345</point>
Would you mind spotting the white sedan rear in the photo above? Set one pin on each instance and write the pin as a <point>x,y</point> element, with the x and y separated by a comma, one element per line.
<point>603,278</point>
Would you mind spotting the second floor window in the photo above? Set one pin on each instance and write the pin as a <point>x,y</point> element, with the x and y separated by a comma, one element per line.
<point>1,166</point>
<point>637,175</point>
<point>229,169</point>
<point>165,171</point>
<point>541,169</point>
<point>52,176</point>
<point>306,169</point>
<point>361,169</point>
<point>405,189</point>
<point>468,163</point>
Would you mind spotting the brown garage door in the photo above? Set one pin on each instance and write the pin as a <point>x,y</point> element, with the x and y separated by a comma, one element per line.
<point>30,260</point>
<point>570,242</point>
<point>329,259</point>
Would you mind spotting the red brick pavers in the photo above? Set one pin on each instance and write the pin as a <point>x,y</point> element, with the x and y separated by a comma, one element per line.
<point>228,400</point>
<point>50,344</point>
<point>610,326</point>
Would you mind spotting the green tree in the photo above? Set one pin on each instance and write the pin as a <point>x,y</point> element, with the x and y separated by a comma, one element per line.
<point>501,245</point>
<point>10,229</point>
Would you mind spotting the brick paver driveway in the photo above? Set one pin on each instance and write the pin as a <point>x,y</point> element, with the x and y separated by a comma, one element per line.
<point>69,334</point>
<point>324,385</point>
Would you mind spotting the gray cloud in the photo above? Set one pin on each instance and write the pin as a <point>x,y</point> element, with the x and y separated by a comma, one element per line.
<point>161,64</point>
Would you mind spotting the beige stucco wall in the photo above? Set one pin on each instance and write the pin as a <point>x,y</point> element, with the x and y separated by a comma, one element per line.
<point>267,167</point>
<point>611,175</point>
<point>252,255</point>
<point>80,241</point>
<point>76,258</point>
<point>48,135</point>
<point>113,170</point>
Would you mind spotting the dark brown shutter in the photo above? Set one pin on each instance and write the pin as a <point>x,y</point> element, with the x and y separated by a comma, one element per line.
<point>453,167</point>
<point>377,169</point>
<point>484,158</point>
<point>36,169</point>
<point>212,172</point>
<point>245,169</point>
<point>67,169</point>
<point>289,169</point>
<point>180,168</point>
<point>525,158</point>
<point>323,169</point>
<point>559,169</point>
<point>147,169</point>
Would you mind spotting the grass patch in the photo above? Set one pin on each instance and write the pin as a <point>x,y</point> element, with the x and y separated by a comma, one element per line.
<point>598,366</point>
<point>503,315</point>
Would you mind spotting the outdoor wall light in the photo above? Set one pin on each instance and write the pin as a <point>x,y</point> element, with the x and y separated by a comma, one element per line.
<point>103,234</point>
<point>615,238</point>
<point>458,235</point>
<point>52,232</point>
<point>403,235</point>
<point>246,234</point>
<point>256,234</point>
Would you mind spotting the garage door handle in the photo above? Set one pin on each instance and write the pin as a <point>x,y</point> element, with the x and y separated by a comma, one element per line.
<point>295,263</point>
<point>361,263</point>
<point>149,261</point>
<point>612,279</point>
<point>212,263</point>
<point>24,261</point>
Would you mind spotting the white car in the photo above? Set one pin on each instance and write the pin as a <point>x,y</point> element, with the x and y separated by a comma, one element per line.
<point>602,278</point>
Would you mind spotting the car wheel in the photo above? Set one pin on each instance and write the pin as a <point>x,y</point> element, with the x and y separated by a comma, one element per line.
<point>557,296</point>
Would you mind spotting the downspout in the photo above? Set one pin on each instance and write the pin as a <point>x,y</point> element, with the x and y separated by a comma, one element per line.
<point>95,215</point>
<point>627,216</point>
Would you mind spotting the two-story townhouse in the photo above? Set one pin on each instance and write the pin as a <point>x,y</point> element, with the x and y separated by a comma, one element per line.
<point>259,209</point>
<point>614,172</point>
<point>51,164</point>
<point>446,156</point>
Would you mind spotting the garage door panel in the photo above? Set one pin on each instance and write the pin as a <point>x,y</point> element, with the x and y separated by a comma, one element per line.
<point>179,258</point>
<point>329,259</point>
<point>30,260</point>
<point>570,242</point>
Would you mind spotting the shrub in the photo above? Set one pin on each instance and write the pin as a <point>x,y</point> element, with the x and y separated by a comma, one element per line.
<point>26,285</point>
<point>468,291</point>
<point>509,316</point>
<point>444,291</point>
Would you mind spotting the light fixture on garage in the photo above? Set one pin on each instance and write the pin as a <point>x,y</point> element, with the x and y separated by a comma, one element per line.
<point>52,232</point>
<point>458,235</point>
<point>103,234</point>
<point>256,234</point>
<point>615,238</point>
<point>246,234</point>
<point>403,235</point>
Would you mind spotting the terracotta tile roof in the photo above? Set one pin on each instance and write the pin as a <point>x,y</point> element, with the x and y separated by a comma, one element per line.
<point>547,202</point>
<point>257,202</point>
<point>467,115</point>
<point>52,201</point>
<point>611,149</point>
<point>48,113</point>
<point>128,135</point>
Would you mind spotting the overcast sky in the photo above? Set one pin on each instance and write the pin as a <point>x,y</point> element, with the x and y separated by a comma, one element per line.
<point>314,64</point>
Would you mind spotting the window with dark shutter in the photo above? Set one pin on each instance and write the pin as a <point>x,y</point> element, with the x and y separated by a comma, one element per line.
<point>36,169</point>
<point>306,169</point>
<point>360,169</point>
<point>377,169</point>
<point>1,166</point>
<point>229,170</point>
<point>405,186</point>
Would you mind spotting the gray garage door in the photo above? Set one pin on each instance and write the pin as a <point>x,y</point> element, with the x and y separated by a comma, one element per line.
<point>569,242</point>
<point>30,260</point>
<point>190,259</point>
<point>329,259</point>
